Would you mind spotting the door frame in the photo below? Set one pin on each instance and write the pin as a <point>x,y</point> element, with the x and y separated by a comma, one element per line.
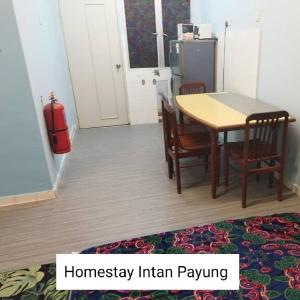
<point>123,58</point>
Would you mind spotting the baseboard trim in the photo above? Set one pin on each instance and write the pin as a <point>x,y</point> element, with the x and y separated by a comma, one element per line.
<point>295,188</point>
<point>27,198</point>
<point>38,196</point>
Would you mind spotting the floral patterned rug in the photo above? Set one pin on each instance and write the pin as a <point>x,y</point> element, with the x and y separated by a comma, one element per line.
<point>269,249</point>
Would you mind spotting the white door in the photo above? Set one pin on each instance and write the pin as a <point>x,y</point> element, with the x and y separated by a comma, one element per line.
<point>146,28</point>
<point>145,82</point>
<point>93,48</point>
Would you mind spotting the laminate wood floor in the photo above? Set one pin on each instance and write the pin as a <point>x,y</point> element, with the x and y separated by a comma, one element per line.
<point>115,186</point>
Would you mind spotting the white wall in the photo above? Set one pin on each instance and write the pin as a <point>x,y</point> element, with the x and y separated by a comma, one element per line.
<point>43,46</point>
<point>279,66</point>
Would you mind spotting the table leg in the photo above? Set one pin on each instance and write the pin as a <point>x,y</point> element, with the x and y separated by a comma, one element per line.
<point>225,165</point>
<point>214,162</point>
<point>225,137</point>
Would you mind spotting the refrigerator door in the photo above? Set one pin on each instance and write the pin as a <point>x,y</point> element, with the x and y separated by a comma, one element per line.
<point>198,62</point>
<point>176,57</point>
<point>176,82</point>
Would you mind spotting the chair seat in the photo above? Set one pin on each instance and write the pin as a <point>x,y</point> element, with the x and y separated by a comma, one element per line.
<point>236,151</point>
<point>195,142</point>
<point>184,129</point>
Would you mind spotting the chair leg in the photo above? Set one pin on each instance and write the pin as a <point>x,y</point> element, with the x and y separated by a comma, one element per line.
<point>178,178</point>
<point>166,151</point>
<point>218,168</point>
<point>258,166</point>
<point>244,186</point>
<point>181,118</point>
<point>280,185</point>
<point>271,180</point>
<point>271,176</point>
<point>206,162</point>
<point>170,166</point>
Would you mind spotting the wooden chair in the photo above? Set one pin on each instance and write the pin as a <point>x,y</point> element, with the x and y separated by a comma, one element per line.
<point>182,129</point>
<point>192,88</point>
<point>181,146</point>
<point>187,89</point>
<point>260,148</point>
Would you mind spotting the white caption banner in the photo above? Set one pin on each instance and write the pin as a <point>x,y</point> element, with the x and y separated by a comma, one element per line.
<point>147,272</point>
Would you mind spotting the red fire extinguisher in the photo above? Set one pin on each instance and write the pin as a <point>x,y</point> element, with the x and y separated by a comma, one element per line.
<point>58,133</point>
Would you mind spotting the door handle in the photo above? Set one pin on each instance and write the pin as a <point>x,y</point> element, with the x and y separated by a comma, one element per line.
<point>118,66</point>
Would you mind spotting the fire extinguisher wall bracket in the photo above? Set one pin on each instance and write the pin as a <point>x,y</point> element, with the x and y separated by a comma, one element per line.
<point>57,128</point>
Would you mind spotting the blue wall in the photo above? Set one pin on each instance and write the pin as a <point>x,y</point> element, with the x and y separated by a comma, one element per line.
<point>47,66</point>
<point>279,70</point>
<point>32,63</point>
<point>23,166</point>
<point>196,11</point>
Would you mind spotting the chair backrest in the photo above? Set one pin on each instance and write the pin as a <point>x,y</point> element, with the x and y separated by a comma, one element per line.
<point>169,124</point>
<point>192,88</point>
<point>261,135</point>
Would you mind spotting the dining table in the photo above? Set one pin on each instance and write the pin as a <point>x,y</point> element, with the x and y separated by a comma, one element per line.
<point>221,113</point>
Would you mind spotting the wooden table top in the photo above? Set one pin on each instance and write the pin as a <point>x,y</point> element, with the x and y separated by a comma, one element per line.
<point>222,111</point>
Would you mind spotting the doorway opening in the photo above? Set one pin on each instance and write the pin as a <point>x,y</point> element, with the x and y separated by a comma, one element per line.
<point>148,27</point>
